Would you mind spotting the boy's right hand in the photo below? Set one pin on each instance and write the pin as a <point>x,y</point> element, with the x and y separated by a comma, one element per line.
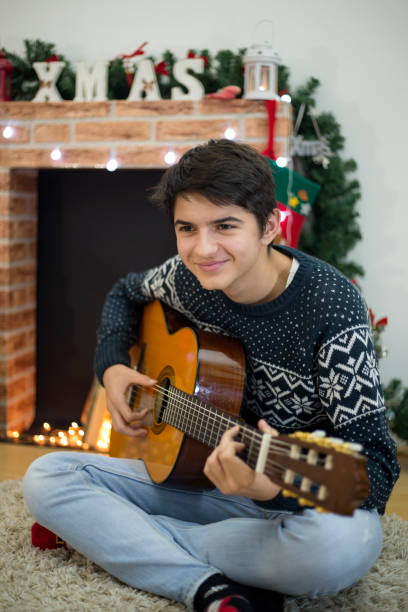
<point>117,379</point>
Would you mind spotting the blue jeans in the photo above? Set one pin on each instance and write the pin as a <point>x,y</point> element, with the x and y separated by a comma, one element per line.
<point>168,541</point>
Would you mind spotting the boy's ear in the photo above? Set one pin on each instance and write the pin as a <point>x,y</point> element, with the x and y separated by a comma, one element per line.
<point>272,227</point>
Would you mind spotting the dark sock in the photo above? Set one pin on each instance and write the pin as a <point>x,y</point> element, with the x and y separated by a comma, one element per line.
<point>225,595</point>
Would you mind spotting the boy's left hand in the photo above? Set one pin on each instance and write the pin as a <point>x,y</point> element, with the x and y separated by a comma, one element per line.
<point>231,475</point>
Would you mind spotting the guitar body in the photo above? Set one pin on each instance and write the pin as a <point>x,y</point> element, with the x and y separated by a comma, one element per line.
<point>205,365</point>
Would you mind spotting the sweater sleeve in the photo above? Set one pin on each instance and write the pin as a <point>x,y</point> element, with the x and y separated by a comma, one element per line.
<point>350,391</point>
<point>122,310</point>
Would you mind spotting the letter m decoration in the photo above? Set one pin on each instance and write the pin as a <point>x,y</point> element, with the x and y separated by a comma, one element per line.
<point>91,83</point>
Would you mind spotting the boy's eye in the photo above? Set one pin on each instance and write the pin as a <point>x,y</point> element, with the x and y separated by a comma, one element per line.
<point>185,228</point>
<point>225,226</point>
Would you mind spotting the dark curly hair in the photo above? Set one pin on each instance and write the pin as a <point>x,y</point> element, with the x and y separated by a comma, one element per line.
<point>223,171</point>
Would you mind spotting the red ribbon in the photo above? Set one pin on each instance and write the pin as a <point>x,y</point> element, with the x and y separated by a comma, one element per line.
<point>139,51</point>
<point>271,108</point>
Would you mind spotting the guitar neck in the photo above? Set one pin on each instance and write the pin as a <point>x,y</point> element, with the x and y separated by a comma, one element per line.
<point>207,423</point>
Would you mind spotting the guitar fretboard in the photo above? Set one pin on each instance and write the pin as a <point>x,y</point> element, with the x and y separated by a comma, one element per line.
<point>207,423</point>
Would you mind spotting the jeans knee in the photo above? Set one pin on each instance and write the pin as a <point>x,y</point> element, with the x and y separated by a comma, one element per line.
<point>40,483</point>
<point>329,553</point>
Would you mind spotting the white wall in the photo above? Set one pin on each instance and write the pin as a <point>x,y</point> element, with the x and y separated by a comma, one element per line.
<point>356,48</point>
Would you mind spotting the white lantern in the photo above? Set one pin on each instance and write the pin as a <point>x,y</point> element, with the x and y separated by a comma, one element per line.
<point>261,72</point>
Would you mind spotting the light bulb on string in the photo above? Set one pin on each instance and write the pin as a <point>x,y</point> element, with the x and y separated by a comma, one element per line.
<point>8,132</point>
<point>170,158</point>
<point>282,162</point>
<point>230,133</point>
<point>112,165</point>
<point>56,154</point>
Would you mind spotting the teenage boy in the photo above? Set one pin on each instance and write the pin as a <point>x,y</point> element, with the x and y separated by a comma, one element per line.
<point>310,364</point>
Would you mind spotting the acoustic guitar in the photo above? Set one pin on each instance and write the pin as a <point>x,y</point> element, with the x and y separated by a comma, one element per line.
<point>198,396</point>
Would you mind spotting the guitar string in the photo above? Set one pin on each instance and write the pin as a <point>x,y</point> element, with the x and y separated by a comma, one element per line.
<point>225,420</point>
<point>270,463</point>
<point>180,402</point>
<point>204,411</point>
<point>274,466</point>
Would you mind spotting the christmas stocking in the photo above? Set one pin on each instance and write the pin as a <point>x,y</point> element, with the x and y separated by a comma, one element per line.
<point>295,195</point>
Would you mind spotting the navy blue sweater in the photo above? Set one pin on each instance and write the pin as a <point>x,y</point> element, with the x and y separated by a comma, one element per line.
<point>311,363</point>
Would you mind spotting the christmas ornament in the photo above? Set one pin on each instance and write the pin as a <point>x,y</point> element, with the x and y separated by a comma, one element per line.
<point>318,150</point>
<point>161,68</point>
<point>91,83</point>
<point>6,69</point>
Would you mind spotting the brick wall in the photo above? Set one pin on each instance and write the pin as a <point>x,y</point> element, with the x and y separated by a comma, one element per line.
<point>138,135</point>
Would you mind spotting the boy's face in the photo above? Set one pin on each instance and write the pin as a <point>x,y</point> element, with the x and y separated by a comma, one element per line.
<point>221,245</point>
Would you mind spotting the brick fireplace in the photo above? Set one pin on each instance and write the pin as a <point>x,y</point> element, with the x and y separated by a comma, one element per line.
<point>88,134</point>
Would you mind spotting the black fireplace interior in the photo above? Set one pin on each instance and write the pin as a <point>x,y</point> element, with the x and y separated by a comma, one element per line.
<point>94,227</point>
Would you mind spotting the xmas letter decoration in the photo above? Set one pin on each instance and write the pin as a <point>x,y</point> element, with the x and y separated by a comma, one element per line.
<point>48,73</point>
<point>145,82</point>
<point>194,86</point>
<point>91,83</point>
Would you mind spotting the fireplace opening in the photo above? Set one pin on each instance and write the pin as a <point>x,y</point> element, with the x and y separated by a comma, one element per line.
<point>93,227</point>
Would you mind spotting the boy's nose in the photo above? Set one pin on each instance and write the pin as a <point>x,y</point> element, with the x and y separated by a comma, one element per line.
<point>205,246</point>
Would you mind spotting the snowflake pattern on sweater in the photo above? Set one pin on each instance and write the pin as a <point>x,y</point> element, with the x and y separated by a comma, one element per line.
<point>310,359</point>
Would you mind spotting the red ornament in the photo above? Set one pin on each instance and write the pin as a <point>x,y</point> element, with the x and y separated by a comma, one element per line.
<point>6,68</point>
<point>192,55</point>
<point>53,58</point>
<point>161,68</point>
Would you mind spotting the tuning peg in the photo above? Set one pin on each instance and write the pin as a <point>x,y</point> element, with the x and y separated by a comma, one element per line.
<point>287,493</point>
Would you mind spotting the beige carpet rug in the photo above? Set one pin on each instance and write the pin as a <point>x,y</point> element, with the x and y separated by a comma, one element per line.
<point>33,580</point>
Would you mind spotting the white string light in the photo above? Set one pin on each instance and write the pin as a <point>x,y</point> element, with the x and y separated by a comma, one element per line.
<point>8,131</point>
<point>230,133</point>
<point>282,162</point>
<point>112,165</point>
<point>170,158</point>
<point>56,154</point>
<point>286,98</point>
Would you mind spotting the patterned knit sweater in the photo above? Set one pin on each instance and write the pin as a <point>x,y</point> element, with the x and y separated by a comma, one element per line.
<point>310,358</point>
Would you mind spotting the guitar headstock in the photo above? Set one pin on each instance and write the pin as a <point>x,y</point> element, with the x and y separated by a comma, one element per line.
<point>327,473</point>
